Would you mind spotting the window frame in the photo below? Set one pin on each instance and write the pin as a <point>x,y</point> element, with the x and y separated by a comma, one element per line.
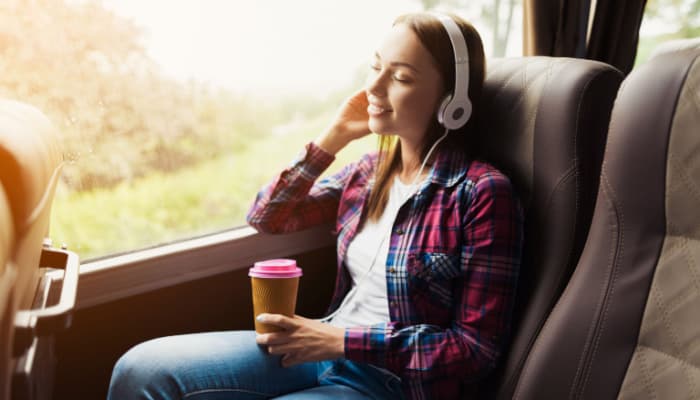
<point>121,276</point>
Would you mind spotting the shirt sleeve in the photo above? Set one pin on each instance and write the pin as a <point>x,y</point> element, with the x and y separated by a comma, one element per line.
<point>467,349</point>
<point>293,200</point>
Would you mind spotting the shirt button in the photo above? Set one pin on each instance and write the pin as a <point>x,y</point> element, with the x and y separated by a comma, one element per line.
<point>399,231</point>
<point>392,304</point>
<point>392,270</point>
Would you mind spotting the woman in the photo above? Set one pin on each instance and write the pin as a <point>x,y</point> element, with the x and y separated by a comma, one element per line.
<point>429,247</point>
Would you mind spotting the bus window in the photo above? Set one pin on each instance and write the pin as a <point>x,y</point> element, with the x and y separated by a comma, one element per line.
<point>666,20</point>
<point>174,114</point>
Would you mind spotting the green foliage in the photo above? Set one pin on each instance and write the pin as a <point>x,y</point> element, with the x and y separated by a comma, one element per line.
<point>679,18</point>
<point>149,159</point>
<point>120,118</point>
<point>163,207</point>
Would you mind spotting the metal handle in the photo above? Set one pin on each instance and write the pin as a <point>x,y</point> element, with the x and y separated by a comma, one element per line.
<point>53,319</point>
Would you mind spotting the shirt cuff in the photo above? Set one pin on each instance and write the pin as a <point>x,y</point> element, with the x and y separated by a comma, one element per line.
<point>366,344</point>
<point>312,161</point>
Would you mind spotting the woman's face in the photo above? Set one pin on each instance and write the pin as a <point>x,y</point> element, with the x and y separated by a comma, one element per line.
<point>404,87</point>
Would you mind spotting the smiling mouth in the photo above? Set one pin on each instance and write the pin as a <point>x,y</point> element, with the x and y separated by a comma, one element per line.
<point>375,110</point>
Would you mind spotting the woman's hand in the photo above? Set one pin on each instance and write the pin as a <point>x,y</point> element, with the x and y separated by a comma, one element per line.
<point>302,339</point>
<point>351,122</point>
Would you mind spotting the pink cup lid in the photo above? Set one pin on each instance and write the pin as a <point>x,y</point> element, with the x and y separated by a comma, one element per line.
<point>278,268</point>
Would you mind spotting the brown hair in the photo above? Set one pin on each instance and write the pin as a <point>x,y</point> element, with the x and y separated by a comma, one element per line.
<point>434,37</point>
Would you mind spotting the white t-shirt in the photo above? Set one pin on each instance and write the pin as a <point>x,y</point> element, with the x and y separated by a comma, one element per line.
<point>369,249</point>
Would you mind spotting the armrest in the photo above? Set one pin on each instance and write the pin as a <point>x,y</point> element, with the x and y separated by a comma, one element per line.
<point>42,320</point>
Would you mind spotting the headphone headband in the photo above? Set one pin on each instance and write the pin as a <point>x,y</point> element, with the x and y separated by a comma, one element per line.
<point>456,108</point>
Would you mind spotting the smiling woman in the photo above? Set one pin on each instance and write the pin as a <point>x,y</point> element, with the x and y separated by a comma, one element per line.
<point>405,322</point>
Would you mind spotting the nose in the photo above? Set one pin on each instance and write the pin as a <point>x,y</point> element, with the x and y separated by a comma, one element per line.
<point>376,84</point>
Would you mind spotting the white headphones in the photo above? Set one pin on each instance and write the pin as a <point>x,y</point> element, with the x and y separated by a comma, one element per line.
<point>456,108</point>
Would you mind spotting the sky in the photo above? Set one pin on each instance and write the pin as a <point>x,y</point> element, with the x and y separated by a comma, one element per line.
<point>263,46</point>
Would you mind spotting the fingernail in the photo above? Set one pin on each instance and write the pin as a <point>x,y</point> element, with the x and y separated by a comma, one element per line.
<point>260,318</point>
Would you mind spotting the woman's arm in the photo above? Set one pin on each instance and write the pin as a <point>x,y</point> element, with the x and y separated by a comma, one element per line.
<point>294,201</point>
<point>467,349</point>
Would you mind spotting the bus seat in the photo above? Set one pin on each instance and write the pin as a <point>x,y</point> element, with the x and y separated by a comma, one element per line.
<point>7,280</point>
<point>30,163</point>
<point>544,122</point>
<point>627,326</point>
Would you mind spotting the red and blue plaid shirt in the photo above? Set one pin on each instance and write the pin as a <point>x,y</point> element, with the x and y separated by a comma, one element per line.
<point>451,270</point>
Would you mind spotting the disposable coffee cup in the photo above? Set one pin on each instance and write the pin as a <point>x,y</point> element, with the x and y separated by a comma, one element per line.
<point>274,284</point>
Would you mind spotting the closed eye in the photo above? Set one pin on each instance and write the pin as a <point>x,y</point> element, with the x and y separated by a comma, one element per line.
<point>401,78</point>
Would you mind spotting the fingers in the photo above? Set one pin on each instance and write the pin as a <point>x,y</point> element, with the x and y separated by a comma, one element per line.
<point>358,103</point>
<point>281,349</point>
<point>272,338</point>
<point>360,96</point>
<point>278,320</point>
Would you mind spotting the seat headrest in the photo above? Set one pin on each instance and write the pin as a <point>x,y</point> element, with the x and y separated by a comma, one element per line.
<point>30,160</point>
<point>541,111</point>
<point>675,46</point>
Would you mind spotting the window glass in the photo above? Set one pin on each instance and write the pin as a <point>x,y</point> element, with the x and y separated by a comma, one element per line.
<point>667,20</point>
<point>175,113</point>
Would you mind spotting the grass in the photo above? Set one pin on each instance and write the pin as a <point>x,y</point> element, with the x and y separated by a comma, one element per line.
<point>160,208</point>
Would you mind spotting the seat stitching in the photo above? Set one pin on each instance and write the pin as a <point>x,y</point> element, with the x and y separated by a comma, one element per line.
<point>528,82</point>
<point>682,173</point>
<point>683,249</point>
<point>587,369</point>
<point>669,355</point>
<point>567,294</point>
<point>616,253</point>
<point>541,322</point>
<point>646,375</point>
<point>657,295</point>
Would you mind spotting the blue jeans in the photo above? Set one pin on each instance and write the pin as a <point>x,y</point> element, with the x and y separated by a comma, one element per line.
<point>230,365</point>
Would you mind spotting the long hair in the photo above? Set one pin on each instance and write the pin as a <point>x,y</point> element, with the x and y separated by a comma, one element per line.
<point>435,39</point>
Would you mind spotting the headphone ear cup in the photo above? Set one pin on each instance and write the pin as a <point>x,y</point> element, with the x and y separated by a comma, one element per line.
<point>453,113</point>
<point>442,109</point>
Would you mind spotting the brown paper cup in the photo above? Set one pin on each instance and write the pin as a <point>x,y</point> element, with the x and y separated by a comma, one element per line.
<point>273,296</point>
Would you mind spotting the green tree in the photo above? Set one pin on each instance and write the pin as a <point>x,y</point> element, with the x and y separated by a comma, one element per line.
<point>682,17</point>
<point>88,70</point>
<point>497,13</point>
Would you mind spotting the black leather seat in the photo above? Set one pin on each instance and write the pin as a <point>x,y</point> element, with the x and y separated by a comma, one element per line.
<point>628,324</point>
<point>544,122</point>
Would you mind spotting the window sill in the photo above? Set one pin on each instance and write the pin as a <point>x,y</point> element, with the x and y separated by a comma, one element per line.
<point>141,271</point>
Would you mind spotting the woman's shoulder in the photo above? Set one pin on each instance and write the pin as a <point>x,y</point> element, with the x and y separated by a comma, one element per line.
<point>367,163</point>
<point>481,174</point>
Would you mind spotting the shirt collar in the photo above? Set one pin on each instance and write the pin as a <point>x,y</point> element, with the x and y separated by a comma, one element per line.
<point>449,167</point>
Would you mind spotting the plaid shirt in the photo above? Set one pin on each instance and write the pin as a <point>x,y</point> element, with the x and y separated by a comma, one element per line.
<point>451,271</point>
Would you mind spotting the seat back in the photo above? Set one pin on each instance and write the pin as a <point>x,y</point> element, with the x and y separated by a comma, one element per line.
<point>627,325</point>
<point>30,162</point>
<point>544,122</point>
<point>7,281</point>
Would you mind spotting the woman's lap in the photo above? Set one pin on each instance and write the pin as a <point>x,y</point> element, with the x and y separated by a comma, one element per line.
<point>230,365</point>
<point>215,364</point>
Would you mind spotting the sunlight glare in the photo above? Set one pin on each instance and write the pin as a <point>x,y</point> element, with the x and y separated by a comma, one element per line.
<point>265,47</point>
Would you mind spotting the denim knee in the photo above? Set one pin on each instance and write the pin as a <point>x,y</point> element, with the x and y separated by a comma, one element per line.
<point>143,373</point>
